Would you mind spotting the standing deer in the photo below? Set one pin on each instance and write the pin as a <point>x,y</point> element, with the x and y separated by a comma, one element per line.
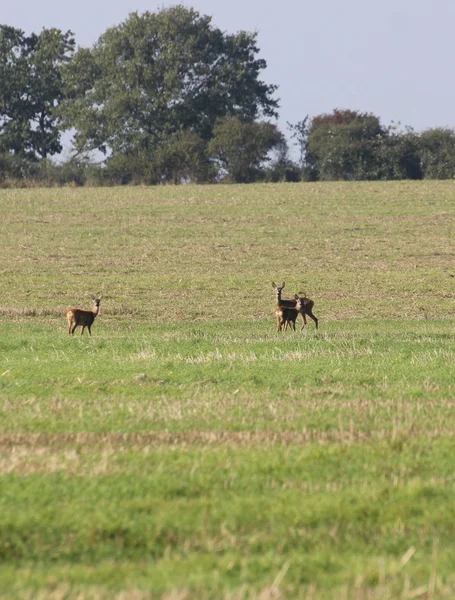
<point>286,316</point>
<point>77,317</point>
<point>306,309</point>
<point>306,305</point>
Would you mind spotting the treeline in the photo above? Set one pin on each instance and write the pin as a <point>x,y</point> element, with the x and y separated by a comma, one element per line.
<point>166,97</point>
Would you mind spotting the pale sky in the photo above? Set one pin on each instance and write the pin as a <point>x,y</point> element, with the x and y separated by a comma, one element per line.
<point>393,58</point>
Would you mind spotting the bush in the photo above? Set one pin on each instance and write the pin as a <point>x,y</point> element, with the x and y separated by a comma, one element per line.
<point>283,170</point>
<point>437,153</point>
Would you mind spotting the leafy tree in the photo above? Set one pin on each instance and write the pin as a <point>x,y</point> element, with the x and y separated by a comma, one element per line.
<point>31,90</point>
<point>437,153</point>
<point>13,77</point>
<point>180,158</point>
<point>158,74</point>
<point>343,145</point>
<point>350,145</point>
<point>240,148</point>
<point>398,155</point>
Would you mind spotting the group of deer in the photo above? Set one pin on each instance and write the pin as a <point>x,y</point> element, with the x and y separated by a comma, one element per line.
<point>287,310</point>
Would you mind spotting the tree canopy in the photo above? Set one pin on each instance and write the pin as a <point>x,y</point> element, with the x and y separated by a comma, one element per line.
<point>31,90</point>
<point>158,74</point>
<point>240,149</point>
<point>343,145</point>
<point>438,153</point>
<point>351,145</point>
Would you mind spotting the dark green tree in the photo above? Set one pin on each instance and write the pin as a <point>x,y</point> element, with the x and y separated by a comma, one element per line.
<point>158,74</point>
<point>31,90</point>
<point>437,153</point>
<point>13,81</point>
<point>398,154</point>
<point>343,145</point>
<point>181,158</point>
<point>240,149</point>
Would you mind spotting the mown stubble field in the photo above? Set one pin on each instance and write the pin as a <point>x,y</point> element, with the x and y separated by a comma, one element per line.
<point>187,450</point>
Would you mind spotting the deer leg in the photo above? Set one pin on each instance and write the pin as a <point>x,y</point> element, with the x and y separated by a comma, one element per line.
<point>88,327</point>
<point>310,314</point>
<point>304,321</point>
<point>73,329</point>
<point>286,320</point>
<point>82,329</point>
<point>278,323</point>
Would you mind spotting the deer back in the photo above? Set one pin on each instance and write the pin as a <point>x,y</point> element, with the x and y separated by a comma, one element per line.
<point>81,317</point>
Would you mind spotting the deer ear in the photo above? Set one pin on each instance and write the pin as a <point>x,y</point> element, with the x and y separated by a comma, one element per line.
<point>282,285</point>
<point>92,297</point>
<point>100,296</point>
<point>296,297</point>
<point>273,285</point>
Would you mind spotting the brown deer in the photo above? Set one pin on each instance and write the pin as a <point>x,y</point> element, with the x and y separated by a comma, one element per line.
<point>287,316</point>
<point>306,309</point>
<point>84,318</point>
<point>306,306</point>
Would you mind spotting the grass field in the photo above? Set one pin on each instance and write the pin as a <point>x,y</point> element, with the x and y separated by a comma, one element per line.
<point>187,450</point>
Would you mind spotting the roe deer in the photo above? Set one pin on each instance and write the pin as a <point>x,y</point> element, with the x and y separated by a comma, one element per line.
<point>77,317</point>
<point>306,306</point>
<point>281,304</point>
<point>306,309</point>
<point>286,315</point>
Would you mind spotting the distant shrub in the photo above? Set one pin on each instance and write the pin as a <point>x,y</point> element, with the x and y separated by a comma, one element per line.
<point>437,153</point>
